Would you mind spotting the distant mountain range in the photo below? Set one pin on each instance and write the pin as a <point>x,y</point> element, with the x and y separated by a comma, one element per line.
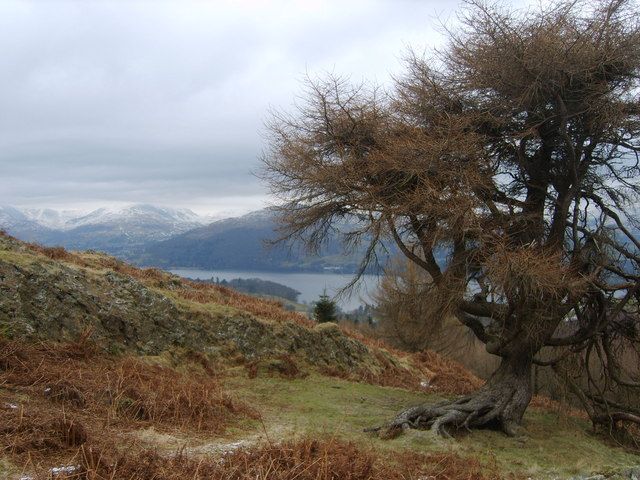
<point>116,231</point>
<point>164,237</point>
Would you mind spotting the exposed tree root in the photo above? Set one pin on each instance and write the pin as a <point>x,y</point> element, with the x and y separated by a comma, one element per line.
<point>496,405</point>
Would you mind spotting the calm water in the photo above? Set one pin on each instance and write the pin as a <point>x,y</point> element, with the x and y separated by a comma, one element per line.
<point>310,285</point>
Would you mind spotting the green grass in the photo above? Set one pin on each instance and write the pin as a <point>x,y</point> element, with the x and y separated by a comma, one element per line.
<point>23,259</point>
<point>215,309</point>
<point>29,259</point>
<point>7,470</point>
<point>319,405</point>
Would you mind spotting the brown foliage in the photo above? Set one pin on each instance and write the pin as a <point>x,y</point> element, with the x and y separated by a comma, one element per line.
<point>304,459</point>
<point>75,393</point>
<point>54,253</point>
<point>73,434</point>
<point>36,433</point>
<point>449,376</point>
<point>283,365</point>
<point>392,374</point>
<point>252,369</point>
<point>177,400</point>
<point>409,315</point>
<point>533,273</point>
<point>561,408</point>
<point>413,317</point>
<point>440,373</point>
<point>287,367</point>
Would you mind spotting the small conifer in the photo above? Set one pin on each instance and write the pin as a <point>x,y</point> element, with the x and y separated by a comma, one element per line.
<point>325,309</point>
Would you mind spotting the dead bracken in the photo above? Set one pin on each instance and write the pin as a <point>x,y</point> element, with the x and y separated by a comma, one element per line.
<point>67,394</point>
<point>303,459</point>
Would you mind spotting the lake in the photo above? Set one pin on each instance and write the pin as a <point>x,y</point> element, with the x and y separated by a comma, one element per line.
<point>310,285</point>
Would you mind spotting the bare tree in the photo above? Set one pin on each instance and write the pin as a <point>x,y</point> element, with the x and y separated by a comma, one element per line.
<point>514,150</point>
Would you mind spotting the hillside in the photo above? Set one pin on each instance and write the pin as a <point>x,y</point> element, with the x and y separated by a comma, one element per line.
<point>109,371</point>
<point>242,243</point>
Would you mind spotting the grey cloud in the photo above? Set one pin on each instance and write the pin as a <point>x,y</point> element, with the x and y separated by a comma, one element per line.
<point>164,101</point>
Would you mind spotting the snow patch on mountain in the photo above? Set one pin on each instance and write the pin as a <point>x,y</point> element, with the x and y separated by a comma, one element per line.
<point>138,213</point>
<point>54,219</point>
<point>180,219</point>
<point>114,230</point>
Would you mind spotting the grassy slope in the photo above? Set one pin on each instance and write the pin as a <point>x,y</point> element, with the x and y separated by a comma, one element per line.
<point>555,446</point>
<point>320,405</point>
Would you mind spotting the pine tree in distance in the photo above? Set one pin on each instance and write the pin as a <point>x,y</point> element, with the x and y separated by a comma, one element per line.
<point>324,309</point>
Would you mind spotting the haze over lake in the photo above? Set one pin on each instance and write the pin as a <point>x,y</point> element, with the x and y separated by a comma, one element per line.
<point>310,285</point>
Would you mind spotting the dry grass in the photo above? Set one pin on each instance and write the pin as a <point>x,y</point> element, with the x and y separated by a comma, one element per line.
<point>163,396</point>
<point>283,365</point>
<point>303,459</point>
<point>389,375</point>
<point>67,404</point>
<point>393,374</point>
<point>446,376</point>
<point>58,396</point>
<point>429,370</point>
<point>287,367</point>
<point>561,408</point>
<point>55,253</point>
<point>37,432</point>
<point>449,376</point>
<point>367,335</point>
<point>443,374</point>
<point>266,309</point>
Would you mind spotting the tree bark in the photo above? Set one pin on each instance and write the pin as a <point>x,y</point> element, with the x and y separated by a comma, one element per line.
<point>499,404</point>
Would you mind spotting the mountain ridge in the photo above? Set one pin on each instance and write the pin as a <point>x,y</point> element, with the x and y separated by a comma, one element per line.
<point>119,231</point>
<point>164,237</point>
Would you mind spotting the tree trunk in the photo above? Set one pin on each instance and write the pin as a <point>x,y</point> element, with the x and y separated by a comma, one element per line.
<point>499,404</point>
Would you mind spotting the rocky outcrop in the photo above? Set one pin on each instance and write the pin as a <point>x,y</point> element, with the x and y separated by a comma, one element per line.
<point>45,298</point>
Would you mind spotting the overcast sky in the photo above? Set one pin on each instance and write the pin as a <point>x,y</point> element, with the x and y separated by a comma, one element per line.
<point>110,102</point>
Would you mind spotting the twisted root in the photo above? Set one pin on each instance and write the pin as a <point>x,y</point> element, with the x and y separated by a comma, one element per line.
<point>485,409</point>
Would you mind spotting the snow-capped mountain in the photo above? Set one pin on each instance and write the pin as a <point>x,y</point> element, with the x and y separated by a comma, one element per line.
<point>10,216</point>
<point>179,220</point>
<point>241,243</point>
<point>49,218</point>
<point>114,230</point>
<point>17,222</point>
